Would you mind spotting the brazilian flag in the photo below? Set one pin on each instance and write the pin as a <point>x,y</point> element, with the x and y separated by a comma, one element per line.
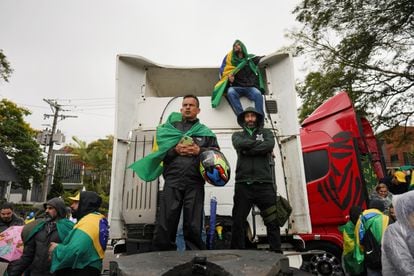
<point>374,220</point>
<point>352,265</point>
<point>150,167</point>
<point>84,246</point>
<point>232,65</point>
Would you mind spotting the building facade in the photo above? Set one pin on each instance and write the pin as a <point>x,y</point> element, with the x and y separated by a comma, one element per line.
<point>398,146</point>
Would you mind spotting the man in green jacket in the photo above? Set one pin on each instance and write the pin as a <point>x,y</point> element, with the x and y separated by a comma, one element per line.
<point>254,181</point>
<point>37,236</point>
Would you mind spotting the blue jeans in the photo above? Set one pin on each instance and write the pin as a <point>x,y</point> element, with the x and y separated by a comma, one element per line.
<point>371,272</point>
<point>252,93</point>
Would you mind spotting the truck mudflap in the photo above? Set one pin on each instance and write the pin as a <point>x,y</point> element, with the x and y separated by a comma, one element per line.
<point>208,262</point>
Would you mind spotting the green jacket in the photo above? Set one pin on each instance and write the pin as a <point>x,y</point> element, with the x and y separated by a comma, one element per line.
<point>254,153</point>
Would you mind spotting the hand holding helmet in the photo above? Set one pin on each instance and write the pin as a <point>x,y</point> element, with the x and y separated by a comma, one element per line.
<point>214,167</point>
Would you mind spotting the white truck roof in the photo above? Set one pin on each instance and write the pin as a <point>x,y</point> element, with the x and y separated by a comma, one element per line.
<point>147,92</point>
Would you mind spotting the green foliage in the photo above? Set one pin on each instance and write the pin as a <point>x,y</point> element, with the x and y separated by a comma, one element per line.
<point>105,203</point>
<point>67,194</point>
<point>17,139</point>
<point>56,188</point>
<point>23,208</point>
<point>97,159</point>
<point>364,47</point>
<point>5,69</point>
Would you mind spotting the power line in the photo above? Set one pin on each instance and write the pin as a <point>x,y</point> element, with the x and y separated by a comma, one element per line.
<point>95,114</point>
<point>91,104</point>
<point>56,108</point>
<point>87,99</point>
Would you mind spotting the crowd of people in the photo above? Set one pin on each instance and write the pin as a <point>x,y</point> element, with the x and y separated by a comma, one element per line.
<point>53,244</point>
<point>380,240</point>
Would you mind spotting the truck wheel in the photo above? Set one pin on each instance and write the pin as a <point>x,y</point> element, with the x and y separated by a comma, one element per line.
<point>328,263</point>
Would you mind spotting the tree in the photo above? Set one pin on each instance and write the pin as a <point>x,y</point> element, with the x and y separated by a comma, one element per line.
<point>364,47</point>
<point>56,188</point>
<point>97,159</point>
<point>17,139</point>
<point>5,68</point>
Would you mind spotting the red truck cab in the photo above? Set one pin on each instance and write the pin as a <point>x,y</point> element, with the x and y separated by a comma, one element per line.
<point>342,163</point>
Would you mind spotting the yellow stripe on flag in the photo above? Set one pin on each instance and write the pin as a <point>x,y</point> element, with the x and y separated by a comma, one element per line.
<point>88,225</point>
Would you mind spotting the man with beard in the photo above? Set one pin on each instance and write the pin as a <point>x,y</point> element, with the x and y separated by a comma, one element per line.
<point>38,235</point>
<point>8,217</point>
<point>82,252</point>
<point>254,180</point>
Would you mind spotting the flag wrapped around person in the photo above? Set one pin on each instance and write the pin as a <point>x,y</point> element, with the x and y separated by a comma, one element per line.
<point>350,263</point>
<point>232,64</point>
<point>150,167</point>
<point>84,246</point>
<point>64,226</point>
<point>374,220</point>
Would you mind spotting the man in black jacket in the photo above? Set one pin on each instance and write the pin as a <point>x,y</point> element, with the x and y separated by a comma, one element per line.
<point>37,237</point>
<point>254,181</point>
<point>184,185</point>
<point>8,217</point>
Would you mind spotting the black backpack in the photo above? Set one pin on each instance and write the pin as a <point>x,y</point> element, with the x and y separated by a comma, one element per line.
<point>372,251</point>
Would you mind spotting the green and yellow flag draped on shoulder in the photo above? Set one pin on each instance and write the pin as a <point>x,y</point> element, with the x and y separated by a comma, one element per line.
<point>377,222</point>
<point>150,167</point>
<point>64,226</point>
<point>351,264</point>
<point>232,65</point>
<point>84,246</point>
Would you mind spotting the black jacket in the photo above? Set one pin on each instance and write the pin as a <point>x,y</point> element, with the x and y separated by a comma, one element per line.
<point>180,171</point>
<point>253,152</point>
<point>15,221</point>
<point>89,202</point>
<point>246,77</point>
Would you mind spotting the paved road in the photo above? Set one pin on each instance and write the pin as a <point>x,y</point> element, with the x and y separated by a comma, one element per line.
<point>109,256</point>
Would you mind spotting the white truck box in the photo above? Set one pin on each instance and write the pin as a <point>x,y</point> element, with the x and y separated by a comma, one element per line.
<point>146,93</point>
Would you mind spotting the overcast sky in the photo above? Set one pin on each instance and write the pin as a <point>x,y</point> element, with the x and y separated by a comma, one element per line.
<point>66,50</point>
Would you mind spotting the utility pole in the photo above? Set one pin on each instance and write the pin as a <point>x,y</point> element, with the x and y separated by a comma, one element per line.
<point>49,161</point>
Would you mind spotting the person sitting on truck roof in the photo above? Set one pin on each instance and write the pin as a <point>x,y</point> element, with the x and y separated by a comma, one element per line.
<point>254,179</point>
<point>241,77</point>
<point>180,141</point>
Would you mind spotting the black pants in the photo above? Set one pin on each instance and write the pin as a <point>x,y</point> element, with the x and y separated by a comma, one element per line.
<point>172,200</point>
<point>263,196</point>
<point>87,271</point>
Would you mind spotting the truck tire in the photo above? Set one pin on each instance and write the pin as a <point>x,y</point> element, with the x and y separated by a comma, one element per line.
<point>328,263</point>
